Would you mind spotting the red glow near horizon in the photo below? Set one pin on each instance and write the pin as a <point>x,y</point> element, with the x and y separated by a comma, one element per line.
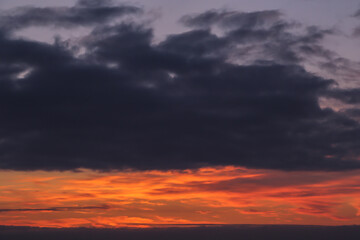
<point>214,195</point>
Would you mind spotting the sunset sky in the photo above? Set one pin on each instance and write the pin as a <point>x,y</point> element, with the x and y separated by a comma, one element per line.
<point>142,114</point>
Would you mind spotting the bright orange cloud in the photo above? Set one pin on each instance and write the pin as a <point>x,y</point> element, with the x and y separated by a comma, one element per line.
<point>221,195</point>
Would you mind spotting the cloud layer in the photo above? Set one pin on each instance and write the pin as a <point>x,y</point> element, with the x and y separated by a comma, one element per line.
<point>115,99</point>
<point>226,195</point>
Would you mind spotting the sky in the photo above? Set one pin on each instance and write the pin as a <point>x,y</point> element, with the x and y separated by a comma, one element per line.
<point>141,114</point>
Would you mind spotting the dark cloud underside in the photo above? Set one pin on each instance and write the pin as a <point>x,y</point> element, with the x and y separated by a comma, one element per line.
<point>181,103</point>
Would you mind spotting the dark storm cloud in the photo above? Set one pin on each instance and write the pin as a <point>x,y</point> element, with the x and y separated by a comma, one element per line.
<point>353,112</point>
<point>247,232</point>
<point>351,96</point>
<point>84,13</point>
<point>35,54</point>
<point>181,103</point>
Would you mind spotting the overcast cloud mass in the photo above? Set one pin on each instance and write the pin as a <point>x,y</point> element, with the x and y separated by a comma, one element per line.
<point>232,89</point>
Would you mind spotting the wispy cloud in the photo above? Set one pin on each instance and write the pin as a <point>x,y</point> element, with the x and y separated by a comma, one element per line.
<point>55,209</point>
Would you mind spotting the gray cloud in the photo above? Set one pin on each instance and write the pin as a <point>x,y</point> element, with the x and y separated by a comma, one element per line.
<point>180,103</point>
<point>84,13</point>
<point>350,96</point>
<point>265,33</point>
<point>357,29</point>
<point>232,19</point>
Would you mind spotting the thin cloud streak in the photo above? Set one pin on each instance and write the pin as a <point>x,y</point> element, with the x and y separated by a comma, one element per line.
<point>54,209</point>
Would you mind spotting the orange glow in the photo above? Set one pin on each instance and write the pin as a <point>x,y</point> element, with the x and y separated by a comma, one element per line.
<point>219,195</point>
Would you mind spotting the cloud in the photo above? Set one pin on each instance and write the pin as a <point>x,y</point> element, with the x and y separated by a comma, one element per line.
<point>350,96</point>
<point>357,29</point>
<point>54,209</point>
<point>185,102</point>
<point>267,32</point>
<point>227,195</point>
<point>357,14</point>
<point>356,32</point>
<point>232,19</point>
<point>84,13</point>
